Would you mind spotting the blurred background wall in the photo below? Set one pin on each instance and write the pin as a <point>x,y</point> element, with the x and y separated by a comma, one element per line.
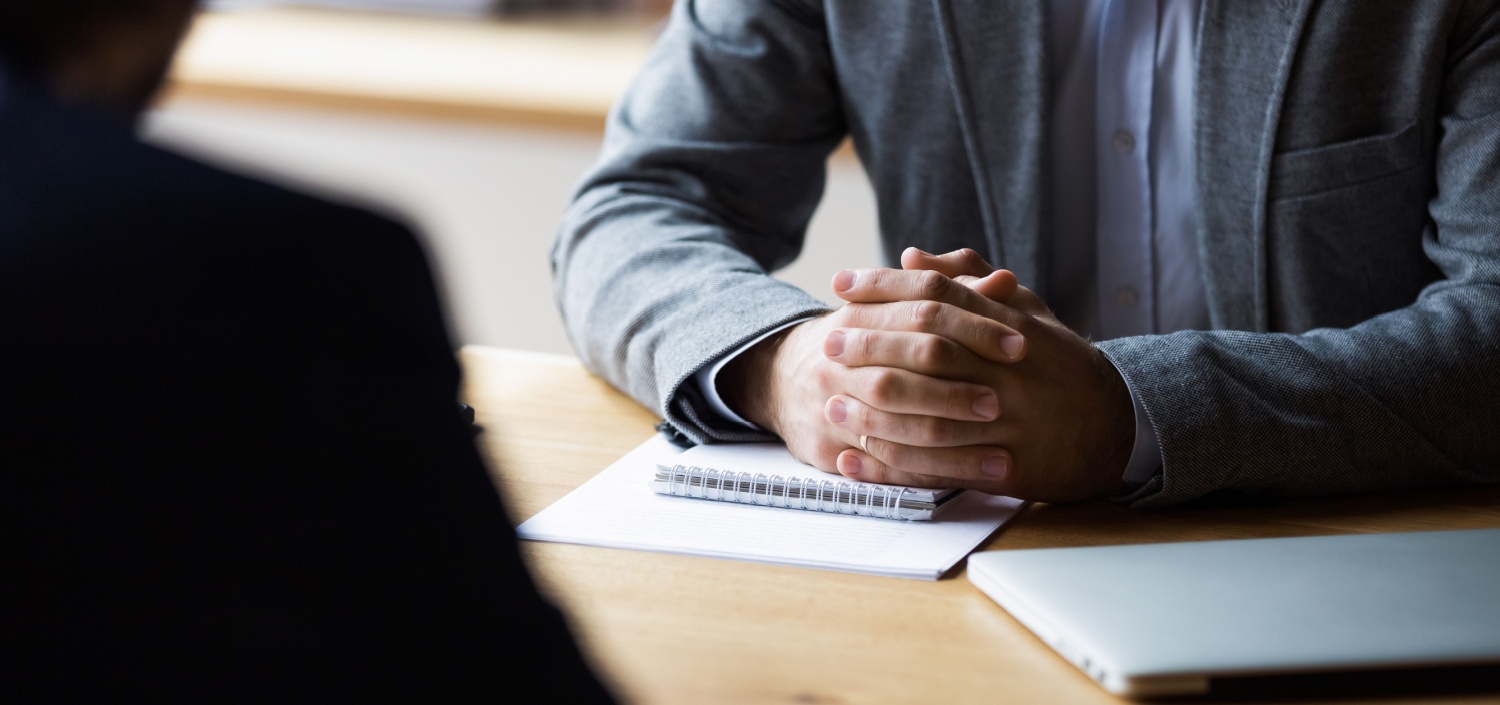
<point>474,123</point>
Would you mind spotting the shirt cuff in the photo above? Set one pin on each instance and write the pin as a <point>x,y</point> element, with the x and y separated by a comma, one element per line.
<point>707,378</point>
<point>1145,454</point>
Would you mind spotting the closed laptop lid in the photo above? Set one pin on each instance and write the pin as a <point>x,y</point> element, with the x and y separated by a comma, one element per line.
<point>1162,618</point>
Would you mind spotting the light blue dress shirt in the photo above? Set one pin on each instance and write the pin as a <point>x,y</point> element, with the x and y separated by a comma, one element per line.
<point>1123,225</point>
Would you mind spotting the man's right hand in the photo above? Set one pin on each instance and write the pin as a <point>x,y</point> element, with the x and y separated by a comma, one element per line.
<point>787,384</point>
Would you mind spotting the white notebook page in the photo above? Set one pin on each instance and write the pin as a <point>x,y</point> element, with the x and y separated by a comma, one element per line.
<point>617,509</point>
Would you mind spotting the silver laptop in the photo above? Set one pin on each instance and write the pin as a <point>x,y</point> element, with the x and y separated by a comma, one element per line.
<point>1164,619</point>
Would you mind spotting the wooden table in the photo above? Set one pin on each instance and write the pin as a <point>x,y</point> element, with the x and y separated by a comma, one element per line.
<point>674,629</point>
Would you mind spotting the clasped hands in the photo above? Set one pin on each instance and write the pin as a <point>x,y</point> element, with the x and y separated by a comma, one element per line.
<point>945,373</point>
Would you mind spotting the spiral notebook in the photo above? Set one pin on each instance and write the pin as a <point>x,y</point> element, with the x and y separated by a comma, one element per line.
<point>618,509</point>
<point>765,475</point>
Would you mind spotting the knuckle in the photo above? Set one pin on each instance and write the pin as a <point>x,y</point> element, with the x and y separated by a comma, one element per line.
<point>931,352</point>
<point>882,386</point>
<point>920,353</point>
<point>864,345</point>
<point>987,332</point>
<point>931,284</point>
<point>959,401</point>
<point>826,376</point>
<point>925,313</point>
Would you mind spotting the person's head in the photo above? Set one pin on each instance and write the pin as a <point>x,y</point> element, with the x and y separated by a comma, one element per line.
<point>114,53</point>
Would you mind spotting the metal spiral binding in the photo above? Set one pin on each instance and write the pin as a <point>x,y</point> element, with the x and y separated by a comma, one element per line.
<point>789,493</point>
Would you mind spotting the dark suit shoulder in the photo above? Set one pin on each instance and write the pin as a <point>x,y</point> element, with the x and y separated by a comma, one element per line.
<point>228,429</point>
<point>91,218</point>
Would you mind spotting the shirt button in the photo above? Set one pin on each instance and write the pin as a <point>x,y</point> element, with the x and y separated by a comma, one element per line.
<point>1124,142</point>
<point>1126,297</point>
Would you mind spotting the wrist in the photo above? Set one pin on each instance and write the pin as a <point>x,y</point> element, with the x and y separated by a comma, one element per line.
<point>747,383</point>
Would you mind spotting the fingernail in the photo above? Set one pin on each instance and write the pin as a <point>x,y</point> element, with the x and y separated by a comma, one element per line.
<point>852,466</point>
<point>834,346</point>
<point>843,281</point>
<point>995,466</point>
<point>987,406</point>
<point>1013,345</point>
<point>837,412</point>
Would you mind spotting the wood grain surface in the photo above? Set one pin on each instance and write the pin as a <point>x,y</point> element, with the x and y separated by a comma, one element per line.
<point>675,629</point>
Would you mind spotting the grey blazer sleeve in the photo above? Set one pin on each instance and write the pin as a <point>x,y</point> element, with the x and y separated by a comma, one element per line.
<point>712,166</point>
<point>1409,398</point>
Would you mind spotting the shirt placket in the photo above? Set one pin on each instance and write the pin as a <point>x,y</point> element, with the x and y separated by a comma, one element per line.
<point>1126,72</point>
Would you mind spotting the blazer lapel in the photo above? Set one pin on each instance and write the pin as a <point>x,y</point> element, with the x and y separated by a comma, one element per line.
<point>1245,53</point>
<point>996,60</point>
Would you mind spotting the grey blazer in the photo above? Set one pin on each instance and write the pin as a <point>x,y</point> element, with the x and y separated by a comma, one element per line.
<point>1348,198</point>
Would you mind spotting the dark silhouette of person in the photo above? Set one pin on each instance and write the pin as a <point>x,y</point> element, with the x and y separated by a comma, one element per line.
<point>232,463</point>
